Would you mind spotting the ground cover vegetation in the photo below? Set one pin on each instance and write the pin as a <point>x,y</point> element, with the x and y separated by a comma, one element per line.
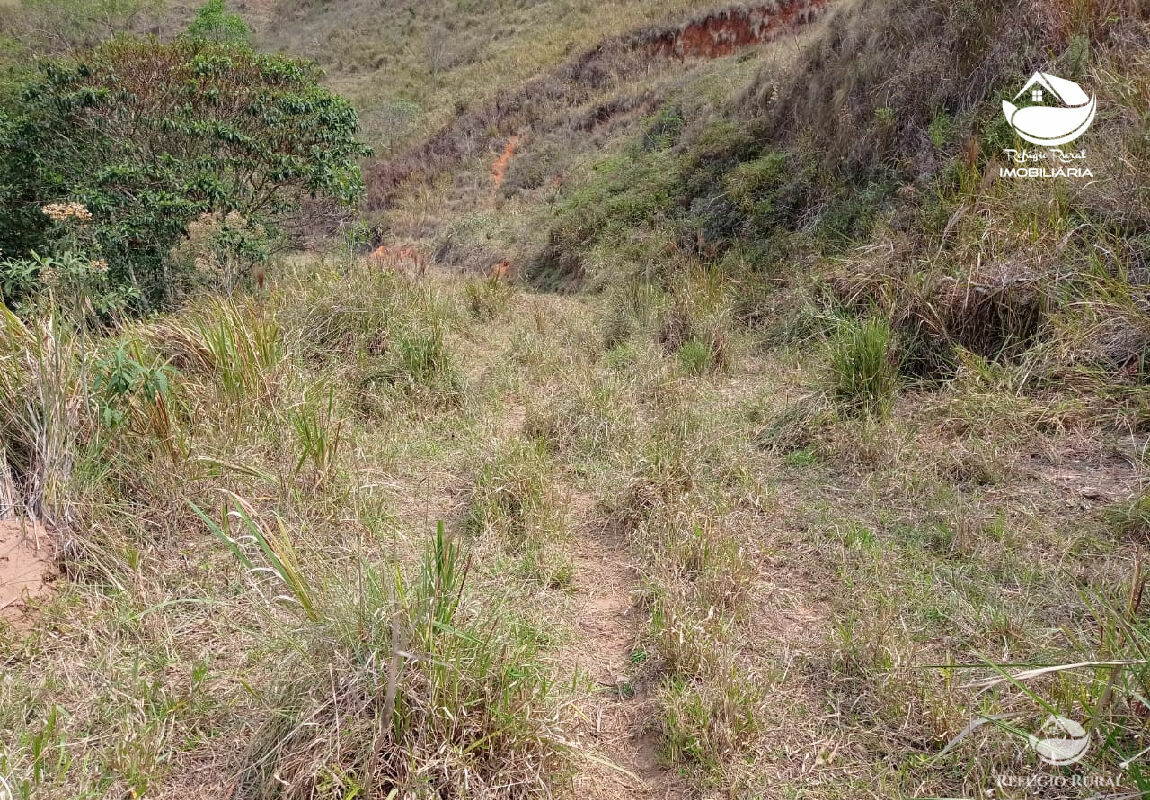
<point>734,431</point>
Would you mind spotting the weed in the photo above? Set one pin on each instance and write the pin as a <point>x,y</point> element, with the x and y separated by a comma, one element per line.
<point>488,298</point>
<point>695,357</point>
<point>435,692</point>
<point>1132,519</point>
<point>704,725</point>
<point>940,129</point>
<point>274,548</point>
<point>241,350</point>
<point>801,458</point>
<point>124,387</point>
<point>318,429</point>
<point>420,367</point>
<point>514,500</point>
<point>864,373</point>
<point>40,377</point>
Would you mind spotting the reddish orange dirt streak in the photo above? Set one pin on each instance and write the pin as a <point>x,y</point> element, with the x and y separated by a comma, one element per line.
<point>499,169</point>
<point>722,33</point>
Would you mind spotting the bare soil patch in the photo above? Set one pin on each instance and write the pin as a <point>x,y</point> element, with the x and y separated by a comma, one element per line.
<point>25,568</point>
<point>624,752</point>
<point>1085,478</point>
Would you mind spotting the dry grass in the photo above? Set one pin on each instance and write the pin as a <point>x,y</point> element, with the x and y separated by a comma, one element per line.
<point>782,552</point>
<point>309,564</point>
<point>257,598</point>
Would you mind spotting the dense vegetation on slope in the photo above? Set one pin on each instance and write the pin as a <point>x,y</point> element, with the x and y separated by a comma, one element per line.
<point>914,170</point>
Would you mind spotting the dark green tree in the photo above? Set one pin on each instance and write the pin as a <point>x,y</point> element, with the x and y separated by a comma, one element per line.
<point>151,136</point>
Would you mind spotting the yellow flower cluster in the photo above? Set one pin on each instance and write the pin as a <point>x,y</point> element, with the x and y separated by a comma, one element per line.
<point>62,212</point>
<point>99,265</point>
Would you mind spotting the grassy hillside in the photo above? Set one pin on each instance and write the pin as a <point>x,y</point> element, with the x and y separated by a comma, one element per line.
<point>745,436</point>
<point>408,67</point>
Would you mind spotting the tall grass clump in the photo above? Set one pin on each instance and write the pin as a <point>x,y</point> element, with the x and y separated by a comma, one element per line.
<point>864,374</point>
<point>318,429</point>
<point>264,551</point>
<point>695,357</point>
<point>696,322</point>
<point>1131,519</point>
<point>704,724</point>
<point>686,313</point>
<point>488,298</point>
<point>236,345</point>
<point>632,307</point>
<point>41,391</point>
<point>514,500</point>
<point>388,333</point>
<point>409,687</point>
<point>340,311</point>
<point>587,417</point>
<point>242,348</point>
<point>419,365</point>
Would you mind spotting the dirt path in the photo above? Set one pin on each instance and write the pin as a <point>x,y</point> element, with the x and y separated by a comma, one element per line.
<point>623,759</point>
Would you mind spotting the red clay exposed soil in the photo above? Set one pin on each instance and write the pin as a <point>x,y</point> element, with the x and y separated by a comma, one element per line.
<point>723,32</point>
<point>499,168</point>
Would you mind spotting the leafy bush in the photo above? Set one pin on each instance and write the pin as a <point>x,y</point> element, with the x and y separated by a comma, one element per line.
<point>69,281</point>
<point>74,279</point>
<point>222,251</point>
<point>214,23</point>
<point>149,136</point>
<point>127,385</point>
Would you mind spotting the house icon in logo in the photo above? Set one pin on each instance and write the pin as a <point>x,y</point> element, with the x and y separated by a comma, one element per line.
<point>1051,125</point>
